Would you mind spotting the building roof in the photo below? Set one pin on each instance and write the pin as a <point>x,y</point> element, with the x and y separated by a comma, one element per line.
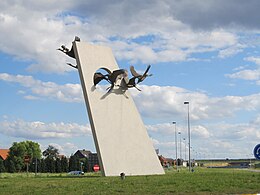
<point>83,153</point>
<point>60,156</point>
<point>4,153</point>
<point>162,159</point>
<point>170,159</point>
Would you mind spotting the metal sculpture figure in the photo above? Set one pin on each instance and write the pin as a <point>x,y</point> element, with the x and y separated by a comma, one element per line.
<point>74,66</point>
<point>140,78</point>
<point>113,77</point>
<point>70,52</point>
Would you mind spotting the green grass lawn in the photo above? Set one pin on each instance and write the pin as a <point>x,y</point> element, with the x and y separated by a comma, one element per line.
<point>202,181</point>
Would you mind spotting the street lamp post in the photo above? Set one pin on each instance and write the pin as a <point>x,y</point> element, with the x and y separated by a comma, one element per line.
<point>184,139</point>
<point>180,145</point>
<point>189,132</point>
<point>176,146</point>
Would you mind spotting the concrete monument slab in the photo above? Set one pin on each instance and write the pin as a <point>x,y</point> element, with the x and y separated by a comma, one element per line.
<point>121,139</point>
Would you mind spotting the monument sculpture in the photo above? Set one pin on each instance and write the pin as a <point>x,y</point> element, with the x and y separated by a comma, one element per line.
<point>113,77</point>
<point>121,140</point>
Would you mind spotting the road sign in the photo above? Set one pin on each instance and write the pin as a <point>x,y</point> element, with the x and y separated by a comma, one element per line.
<point>96,168</point>
<point>26,159</point>
<point>257,152</point>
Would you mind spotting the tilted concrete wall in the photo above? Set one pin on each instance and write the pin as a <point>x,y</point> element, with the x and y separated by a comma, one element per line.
<point>121,140</point>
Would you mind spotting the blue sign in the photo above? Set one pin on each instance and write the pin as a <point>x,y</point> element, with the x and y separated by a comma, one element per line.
<point>257,152</point>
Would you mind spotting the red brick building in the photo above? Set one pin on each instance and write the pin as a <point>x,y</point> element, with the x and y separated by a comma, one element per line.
<point>166,161</point>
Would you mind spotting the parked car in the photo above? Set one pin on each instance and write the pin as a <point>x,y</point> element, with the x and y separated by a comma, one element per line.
<point>76,173</point>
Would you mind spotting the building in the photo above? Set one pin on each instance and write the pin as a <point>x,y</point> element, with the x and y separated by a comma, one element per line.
<point>170,161</point>
<point>82,153</point>
<point>166,162</point>
<point>92,158</point>
<point>4,153</point>
<point>60,156</point>
<point>92,161</point>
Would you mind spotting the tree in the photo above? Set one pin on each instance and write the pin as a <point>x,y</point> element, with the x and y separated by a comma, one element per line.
<point>50,165</point>
<point>51,152</point>
<point>58,165</point>
<point>74,164</point>
<point>18,151</point>
<point>33,149</point>
<point>51,155</point>
<point>42,166</point>
<point>35,164</point>
<point>10,166</point>
<point>2,167</point>
<point>64,164</point>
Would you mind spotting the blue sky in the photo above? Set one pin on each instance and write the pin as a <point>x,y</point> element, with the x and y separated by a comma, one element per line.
<point>204,52</point>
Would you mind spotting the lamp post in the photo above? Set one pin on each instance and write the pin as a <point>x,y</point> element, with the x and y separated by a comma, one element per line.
<point>180,145</point>
<point>187,103</point>
<point>184,139</point>
<point>176,145</point>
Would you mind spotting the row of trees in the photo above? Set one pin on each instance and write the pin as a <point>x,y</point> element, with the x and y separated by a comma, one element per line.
<point>27,156</point>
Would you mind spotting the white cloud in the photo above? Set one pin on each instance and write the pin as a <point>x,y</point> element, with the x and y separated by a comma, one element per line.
<point>218,140</point>
<point>171,99</point>
<point>168,129</point>
<point>200,131</point>
<point>159,144</point>
<point>64,149</point>
<point>256,122</point>
<point>253,59</point>
<point>50,90</point>
<point>30,97</point>
<point>201,105</point>
<point>41,130</point>
<point>252,74</point>
<point>246,75</point>
<point>178,46</point>
<point>216,14</point>
<point>230,51</point>
<point>44,26</point>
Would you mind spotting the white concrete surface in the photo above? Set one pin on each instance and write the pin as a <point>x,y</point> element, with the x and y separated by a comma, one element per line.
<point>121,140</point>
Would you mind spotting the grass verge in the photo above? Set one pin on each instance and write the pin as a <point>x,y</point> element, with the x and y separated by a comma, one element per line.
<point>202,181</point>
